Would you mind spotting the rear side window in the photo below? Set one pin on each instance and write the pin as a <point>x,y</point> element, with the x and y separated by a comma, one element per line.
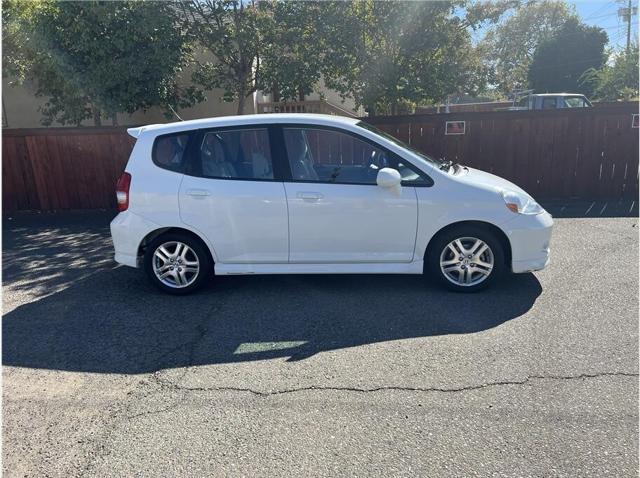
<point>549,103</point>
<point>169,151</point>
<point>235,154</point>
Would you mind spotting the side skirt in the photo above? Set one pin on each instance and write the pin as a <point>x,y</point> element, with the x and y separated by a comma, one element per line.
<point>354,268</point>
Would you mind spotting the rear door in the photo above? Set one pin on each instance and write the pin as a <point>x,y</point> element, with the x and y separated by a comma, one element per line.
<point>337,213</point>
<point>230,195</point>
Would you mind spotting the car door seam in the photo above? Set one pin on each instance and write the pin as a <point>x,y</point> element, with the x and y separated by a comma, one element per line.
<point>286,201</point>
<point>415,240</point>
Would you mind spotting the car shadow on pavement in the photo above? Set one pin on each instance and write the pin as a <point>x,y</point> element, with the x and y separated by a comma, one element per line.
<point>114,322</point>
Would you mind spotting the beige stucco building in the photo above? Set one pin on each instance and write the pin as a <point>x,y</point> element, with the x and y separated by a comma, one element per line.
<point>21,108</point>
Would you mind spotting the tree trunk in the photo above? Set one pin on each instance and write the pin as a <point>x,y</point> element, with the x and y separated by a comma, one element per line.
<point>300,94</point>
<point>97,120</point>
<point>242,96</point>
<point>241,101</point>
<point>114,119</point>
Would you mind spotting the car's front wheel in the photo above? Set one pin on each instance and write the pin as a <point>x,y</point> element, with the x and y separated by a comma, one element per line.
<point>466,258</point>
<point>177,263</point>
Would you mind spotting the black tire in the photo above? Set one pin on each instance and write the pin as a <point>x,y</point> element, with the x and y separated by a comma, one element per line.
<point>441,241</point>
<point>198,249</point>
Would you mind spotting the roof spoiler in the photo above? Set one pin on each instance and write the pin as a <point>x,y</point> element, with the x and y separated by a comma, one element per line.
<point>135,132</point>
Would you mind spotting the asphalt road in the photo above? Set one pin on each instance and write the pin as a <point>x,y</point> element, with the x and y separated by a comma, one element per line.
<point>317,375</point>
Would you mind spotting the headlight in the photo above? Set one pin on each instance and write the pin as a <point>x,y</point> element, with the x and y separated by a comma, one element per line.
<point>521,203</point>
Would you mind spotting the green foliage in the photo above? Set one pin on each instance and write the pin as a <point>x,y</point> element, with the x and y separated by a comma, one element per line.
<point>25,58</point>
<point>392,55</point>
<point>16,19</point>
<point>271,45</point>
<point>509,47</point>
<point>90,57</point>
<point>292,57</point>
<point>560,61</point>
<point>618,81</point>
<point>231,32</point>
<point>388,56</point>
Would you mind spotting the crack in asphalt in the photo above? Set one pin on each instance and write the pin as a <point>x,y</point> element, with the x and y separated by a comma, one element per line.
<point>172,385</point>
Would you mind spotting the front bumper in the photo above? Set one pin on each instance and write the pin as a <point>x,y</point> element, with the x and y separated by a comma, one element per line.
<point>530,238</point>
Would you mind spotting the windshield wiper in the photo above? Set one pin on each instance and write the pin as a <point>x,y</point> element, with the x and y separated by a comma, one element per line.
<point>445,165</point>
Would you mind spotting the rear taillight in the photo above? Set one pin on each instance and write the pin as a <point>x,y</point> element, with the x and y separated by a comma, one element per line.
<point>122,191</point>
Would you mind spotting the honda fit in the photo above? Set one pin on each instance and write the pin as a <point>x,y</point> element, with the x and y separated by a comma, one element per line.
<point>314,194</point>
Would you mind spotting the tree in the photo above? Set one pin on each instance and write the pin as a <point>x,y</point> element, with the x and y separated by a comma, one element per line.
<point>392,55</point>
<point>16,58</point>
<point>560,61</point>
<point>97,57</point>
<point>231,32</point>
<point>618,81</point>
<point>24,58</point>
<point>292,57</point>
<point>509,47</point>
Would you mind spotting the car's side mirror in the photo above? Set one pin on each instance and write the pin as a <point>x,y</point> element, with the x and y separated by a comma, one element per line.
<point>390,178</point>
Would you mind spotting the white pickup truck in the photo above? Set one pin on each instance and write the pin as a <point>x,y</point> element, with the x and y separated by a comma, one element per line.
<point>551,101</point>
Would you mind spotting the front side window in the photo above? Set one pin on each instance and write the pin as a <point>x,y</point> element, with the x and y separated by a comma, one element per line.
<point>169,151</point>
<point>235,154</point>
<point>428,160</point>
<point>325,155</point>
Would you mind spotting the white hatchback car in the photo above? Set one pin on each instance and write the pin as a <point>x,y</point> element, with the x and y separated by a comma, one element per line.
<point>314,194</point>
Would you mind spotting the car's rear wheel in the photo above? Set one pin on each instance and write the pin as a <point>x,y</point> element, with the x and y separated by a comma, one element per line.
<point>177,263</point>
<point>466,258</point>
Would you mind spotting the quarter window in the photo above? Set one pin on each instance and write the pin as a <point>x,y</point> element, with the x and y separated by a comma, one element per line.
<point>169,151</point>
<point>235,154</point>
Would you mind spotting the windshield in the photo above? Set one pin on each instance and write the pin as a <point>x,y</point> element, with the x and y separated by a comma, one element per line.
<point>575,102</point>
<point>428,159</point>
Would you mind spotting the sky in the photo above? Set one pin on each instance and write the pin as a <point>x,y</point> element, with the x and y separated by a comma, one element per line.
<point>605,15</point>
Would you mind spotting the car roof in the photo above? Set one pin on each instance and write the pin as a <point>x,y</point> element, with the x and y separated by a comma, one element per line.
<point>558,94</point>
<point>261,119</point>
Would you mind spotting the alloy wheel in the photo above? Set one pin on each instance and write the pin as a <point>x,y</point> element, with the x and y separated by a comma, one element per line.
<point>175,264</point>
<point>467,261</point>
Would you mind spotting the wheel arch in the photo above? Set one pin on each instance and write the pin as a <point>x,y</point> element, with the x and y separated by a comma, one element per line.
<point>175,229</point>
<point>499,233</point>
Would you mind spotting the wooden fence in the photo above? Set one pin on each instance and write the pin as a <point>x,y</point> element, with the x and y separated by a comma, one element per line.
<point>583,153</point>
<point>62,168</point>
<point>587,154</point>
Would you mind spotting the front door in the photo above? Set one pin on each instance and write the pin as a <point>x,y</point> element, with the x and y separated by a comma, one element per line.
<point>231,196</point>
<point>337,213</point>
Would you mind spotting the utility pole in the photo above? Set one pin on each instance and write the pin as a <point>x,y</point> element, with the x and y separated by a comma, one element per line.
<point>627,14</point>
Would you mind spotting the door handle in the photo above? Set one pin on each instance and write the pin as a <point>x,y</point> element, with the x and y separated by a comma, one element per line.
<point>198,192</point>
<point>310,196</point>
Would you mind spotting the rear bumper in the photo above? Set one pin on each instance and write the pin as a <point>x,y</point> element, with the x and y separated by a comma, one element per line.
<point>127,232</point>
<point>530,238</point>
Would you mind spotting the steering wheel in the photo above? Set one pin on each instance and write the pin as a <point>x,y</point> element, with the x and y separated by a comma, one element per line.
<point>378,160</point>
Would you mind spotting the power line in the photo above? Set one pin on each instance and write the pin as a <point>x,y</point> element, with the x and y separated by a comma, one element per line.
<point>601,16</point>
<point>598,11</point>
